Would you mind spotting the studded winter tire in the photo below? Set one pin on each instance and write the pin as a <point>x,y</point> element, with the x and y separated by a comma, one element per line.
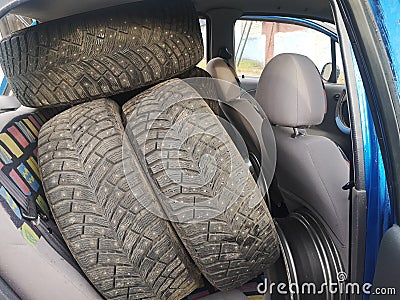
<point>102,53</point>
<point>125,250</point>
<point>202,183</point>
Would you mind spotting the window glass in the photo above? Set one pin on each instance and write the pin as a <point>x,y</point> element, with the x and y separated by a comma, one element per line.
<point>257,42</point>
<point>340,79</point>
<point>203,26</point>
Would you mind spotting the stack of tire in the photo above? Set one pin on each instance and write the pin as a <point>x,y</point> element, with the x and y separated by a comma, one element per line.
<point>105,169</point>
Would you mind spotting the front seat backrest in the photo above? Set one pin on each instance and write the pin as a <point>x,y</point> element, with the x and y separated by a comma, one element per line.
<point>240,112</point>
<point>311,170</point>
<point>228,85</point>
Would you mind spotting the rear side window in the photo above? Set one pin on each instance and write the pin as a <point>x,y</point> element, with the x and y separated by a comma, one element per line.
<point>203,26</point>
<point>257,42</point>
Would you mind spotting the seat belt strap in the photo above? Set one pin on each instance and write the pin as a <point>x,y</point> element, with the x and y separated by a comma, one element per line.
<point>234,73</point>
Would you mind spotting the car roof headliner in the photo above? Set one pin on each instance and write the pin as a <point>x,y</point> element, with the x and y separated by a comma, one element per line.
<point>45,10</point>
<point>311,9</point>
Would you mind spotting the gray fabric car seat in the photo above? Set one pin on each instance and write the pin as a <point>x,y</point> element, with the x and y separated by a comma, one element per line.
<point>311,170</point>
<point>243,112</point>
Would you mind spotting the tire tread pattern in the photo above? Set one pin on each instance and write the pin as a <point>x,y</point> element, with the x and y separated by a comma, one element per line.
<point>125,250</point>
<point>102,53</point>
<point>231,248</point>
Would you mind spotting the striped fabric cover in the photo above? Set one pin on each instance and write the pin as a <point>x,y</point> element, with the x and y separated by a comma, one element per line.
<point>18,160</point>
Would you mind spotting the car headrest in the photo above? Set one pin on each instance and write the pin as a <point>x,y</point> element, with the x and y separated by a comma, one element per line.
<point>219,69</point>
<point>291,92</point>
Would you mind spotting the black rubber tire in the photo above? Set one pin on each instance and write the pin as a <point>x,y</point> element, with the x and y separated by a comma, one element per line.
<point>126,251</point>
<point>205,87</point>
<point>233,246</point>
<point>102,53</point>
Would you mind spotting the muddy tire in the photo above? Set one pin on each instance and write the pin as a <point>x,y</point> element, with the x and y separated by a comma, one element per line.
<point>196,171</point>
<point>125,250</point>
<point>102,53</point>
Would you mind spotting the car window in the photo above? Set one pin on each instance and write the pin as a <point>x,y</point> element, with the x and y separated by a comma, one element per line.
<point>340,77</point>
<point>203,26</point>
<point>257,42</point>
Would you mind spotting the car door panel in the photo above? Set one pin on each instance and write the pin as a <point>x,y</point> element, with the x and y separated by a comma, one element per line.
<point>386,281</point>
<point>249,84</point>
